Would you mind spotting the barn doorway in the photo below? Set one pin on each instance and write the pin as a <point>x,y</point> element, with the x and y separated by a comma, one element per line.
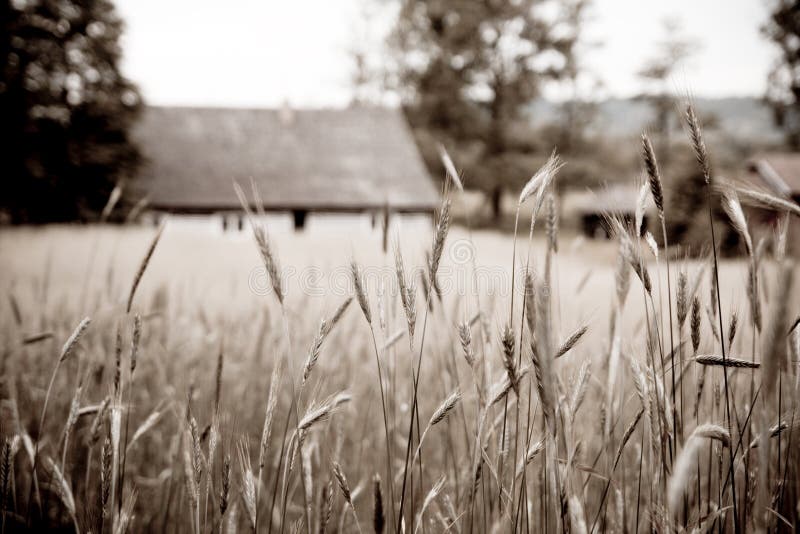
<point>299,217</point>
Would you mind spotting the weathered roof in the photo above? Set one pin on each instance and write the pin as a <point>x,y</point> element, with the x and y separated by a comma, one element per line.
<point>779,171</point>
<point>325,159</point>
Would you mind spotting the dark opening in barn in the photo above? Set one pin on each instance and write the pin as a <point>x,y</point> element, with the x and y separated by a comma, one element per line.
<point>299,219</point>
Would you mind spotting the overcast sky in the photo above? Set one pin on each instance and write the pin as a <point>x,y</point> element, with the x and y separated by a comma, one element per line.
<point>266,52</point>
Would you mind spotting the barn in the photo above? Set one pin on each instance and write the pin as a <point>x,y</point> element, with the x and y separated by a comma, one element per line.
<point>357,161</point>
<point>614,200</point>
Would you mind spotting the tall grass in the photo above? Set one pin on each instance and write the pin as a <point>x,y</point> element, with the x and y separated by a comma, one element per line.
<point>653,417</point>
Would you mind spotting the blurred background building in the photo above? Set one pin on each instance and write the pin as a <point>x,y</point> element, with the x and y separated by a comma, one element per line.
<point>358,161</point>
<point>114,111</point>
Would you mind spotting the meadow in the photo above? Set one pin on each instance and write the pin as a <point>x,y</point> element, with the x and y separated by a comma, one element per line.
<point>458,381</point>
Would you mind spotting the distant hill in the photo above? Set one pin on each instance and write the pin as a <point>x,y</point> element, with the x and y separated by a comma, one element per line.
<point>741,118</point>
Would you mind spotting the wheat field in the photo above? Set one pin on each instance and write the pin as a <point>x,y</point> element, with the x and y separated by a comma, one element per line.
<point>459,381</point>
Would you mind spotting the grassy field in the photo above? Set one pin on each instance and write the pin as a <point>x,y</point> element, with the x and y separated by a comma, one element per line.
<point>591,393</point>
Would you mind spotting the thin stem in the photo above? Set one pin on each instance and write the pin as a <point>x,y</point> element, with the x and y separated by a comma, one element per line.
<point>385,421</point>
<point>724,354</point>
<point>671,340</point>
<point>293,410</point>
<point>125,442</point>
<point>415,385</point>
<point>35,485</point>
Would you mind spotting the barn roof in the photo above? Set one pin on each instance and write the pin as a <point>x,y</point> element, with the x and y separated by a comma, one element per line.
<point>779,171</point>
<point>324,159</point>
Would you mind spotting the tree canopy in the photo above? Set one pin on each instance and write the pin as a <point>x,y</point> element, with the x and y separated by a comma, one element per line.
<point>66,109</point>
<point>783,92</point>
<point>468,69</point>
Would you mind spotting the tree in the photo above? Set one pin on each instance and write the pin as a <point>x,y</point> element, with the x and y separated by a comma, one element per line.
<point>468,68</point>
<point>658,73</point>
<point>783,91</point>
<point>577,113</point>
<point>366,52</point>
<point>66,109</point>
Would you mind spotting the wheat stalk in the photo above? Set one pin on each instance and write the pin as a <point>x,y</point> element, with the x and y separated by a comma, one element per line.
<point>66,351</point>
<point>713,359</point>
<point>378,519</point>
<point>64,492</point>
<point>763,199</point>
<point>361,293</point>
<point>265,248</point>
<point>143,266</point>
<point>248,482</point>
<point>542,178</point>
<point>685,462</point>
<point>447,406</point>
<point>407,292</point>
<point>733,208</point>
<point>429,498</point>
<point>510,365</point>
<point>439,237</point>
<point>641,207</point>
<point>344,487</point>
<point>450,167</point>
<point>571,341</point>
